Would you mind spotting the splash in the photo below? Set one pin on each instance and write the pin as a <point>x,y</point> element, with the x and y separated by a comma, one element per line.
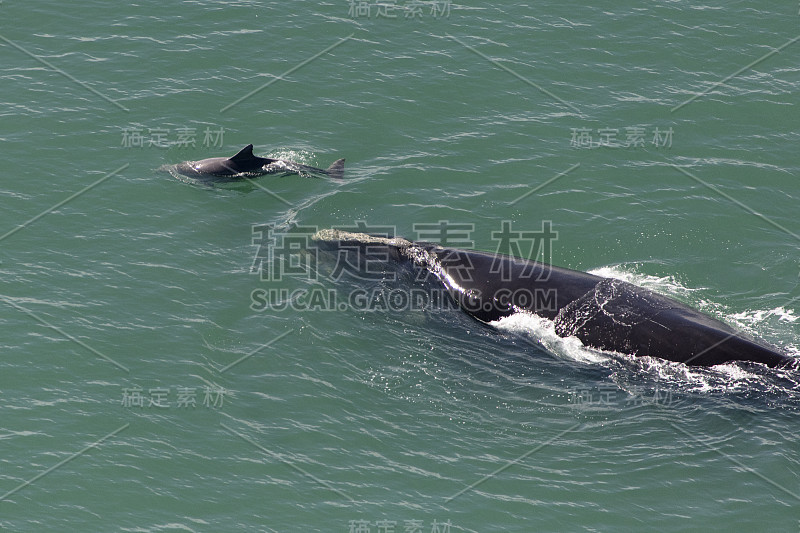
<point>542,332</point>
<point>735,380</point>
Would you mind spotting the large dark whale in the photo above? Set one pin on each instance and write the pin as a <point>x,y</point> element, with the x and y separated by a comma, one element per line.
<point>604,313</point>
<point>245,165</point>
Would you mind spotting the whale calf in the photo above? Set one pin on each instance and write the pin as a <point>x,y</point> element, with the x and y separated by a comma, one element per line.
<point>246,165</point>
<point>604,313</point>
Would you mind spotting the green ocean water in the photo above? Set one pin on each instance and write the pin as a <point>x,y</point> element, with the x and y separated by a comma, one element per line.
<point>143,388</point>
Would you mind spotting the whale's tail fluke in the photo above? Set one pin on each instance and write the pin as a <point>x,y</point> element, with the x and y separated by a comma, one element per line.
<point>336,170</point>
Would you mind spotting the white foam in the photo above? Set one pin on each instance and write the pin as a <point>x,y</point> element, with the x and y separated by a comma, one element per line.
<point>728,376</point>
<point>750,321</point>
<point>666,285</point>
<point>754,317</point>
<point>543,332</point>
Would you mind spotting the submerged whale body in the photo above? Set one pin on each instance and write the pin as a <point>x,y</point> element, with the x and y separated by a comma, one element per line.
<point>604,313</point>
<point>246,165</point>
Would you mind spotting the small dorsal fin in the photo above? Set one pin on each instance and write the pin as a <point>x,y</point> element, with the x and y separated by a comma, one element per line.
<point>244,154</point>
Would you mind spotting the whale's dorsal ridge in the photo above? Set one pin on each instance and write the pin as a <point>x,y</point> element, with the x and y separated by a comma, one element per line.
<point>244,154</point>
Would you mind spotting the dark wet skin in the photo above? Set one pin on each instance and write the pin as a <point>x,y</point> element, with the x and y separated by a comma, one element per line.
<point>245,165</point>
